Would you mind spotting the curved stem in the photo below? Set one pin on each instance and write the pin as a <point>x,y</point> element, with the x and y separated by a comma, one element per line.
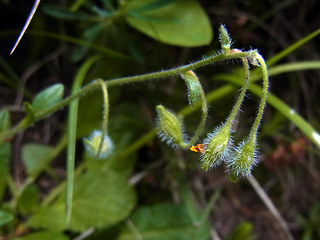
<point>263,101</point>
<point>180,70</point>
<point>204,110</point>
<point>105,114</point>
<point>244,88</point>
<point>140,78</point>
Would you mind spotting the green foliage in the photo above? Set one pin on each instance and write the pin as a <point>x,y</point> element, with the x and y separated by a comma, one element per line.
<point>165,221</point>
<point>37,157</point>
<point>5,155</point>
<point>47,98</point>
<point>4,120</point>
<point>178,22</point>
<point>5,217</point>
<point>29,200</point>
<point>43,235</point>
<point>99,199</point>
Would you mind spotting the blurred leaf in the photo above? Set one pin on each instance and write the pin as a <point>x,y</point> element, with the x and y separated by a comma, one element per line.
<point>242,231</point>
<point>89,34</point>
<point>4,120</point>
<point>48,98</point>
<point>5,154</point>
<point>181,23</point>
<point>153,5</point>
<point>44,235</point>
<point>5,217</point>
<point>63,13</point>
<point>100,199</point>
<point>36,157</point>
<point>165,222</point>
<point>29,199</point>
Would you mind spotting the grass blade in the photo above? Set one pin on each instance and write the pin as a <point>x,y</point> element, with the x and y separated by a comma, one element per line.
<point>72,133</point>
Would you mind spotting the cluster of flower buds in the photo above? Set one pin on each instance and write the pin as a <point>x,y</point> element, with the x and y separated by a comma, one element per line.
<point>218,146</point>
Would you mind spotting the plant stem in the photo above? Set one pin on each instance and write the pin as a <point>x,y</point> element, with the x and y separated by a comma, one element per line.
<point>204,110</point>
<point>244,88</point>
<point>140,78</point>
<point>105,114</point>
<point>263,101</point>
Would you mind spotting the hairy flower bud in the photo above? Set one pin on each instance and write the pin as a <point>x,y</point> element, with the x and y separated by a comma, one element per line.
<point>169,125</point>
<point>92,144</point>
<point>195,91</point>
<point>217,149</point>
<point>244,160</point>
<point>225,39</point>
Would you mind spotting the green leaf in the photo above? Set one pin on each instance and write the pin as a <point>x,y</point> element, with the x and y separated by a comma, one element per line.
<point>4,120</point>
<point>5,217</point>
<point>181,23</point>
<point>29,199</point>
<point>5,154</point>
<point>36,157</point>
<point>99,199</point>
<point>43,235</point>
<point>165,222</point>
<point>48,98</point>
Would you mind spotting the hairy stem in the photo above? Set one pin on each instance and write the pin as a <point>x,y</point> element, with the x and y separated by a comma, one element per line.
<point>105,114</point>
<point>263,101</point>
<point>140,78</point>
<point>242,93</point>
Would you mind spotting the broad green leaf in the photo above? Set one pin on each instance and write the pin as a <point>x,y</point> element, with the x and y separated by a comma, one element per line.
<point>4,120</point>
<point>5,153</point>
<point>99,199</point>
<point>43,235</point>
<point>29,199</point>
<point>36,157</point>
<point>181,22</point>
<point>165,222</point>
<point>5,217</point>
<point>48,98</point>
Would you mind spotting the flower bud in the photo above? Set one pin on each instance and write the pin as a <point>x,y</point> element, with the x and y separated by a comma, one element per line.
<point>195,90</point>
<point>225,39</point>
<point>169,125</point>
<point>92,144</point>
<point>217,149</point>
<point>245,158</point>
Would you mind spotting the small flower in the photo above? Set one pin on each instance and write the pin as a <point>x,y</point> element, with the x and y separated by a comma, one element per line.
<point>170,126</point>
<point>244,160</point>
<point>218,145</point>
<point>198,148</point>
<point>92,144</point>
